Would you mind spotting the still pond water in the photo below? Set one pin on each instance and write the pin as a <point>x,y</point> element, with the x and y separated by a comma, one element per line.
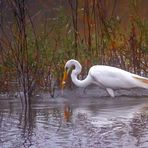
<point>76,120</point>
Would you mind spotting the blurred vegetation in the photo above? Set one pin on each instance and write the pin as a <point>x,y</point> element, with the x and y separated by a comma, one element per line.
<point>32,56</point>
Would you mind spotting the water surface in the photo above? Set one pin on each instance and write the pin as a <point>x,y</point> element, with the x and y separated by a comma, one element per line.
<point>75,120</point>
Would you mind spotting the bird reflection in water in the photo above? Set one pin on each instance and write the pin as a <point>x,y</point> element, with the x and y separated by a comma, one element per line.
<point>67,113</point>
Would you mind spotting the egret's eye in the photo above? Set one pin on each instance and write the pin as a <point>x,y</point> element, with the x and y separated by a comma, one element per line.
<point>66,68</point>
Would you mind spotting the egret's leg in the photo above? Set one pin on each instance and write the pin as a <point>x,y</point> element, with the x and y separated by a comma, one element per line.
<point>111,92</point>
<point>84,90</point>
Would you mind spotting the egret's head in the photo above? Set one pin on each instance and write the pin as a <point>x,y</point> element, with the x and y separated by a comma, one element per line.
<point>69,64</point>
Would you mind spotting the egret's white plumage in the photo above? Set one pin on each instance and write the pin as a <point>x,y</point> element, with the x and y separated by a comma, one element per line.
<point>107,77</point>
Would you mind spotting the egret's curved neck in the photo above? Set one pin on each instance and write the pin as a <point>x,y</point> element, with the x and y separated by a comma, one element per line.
<point>76,81</point>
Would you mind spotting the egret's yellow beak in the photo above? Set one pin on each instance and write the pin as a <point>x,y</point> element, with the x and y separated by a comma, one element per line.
<point>65,75</point>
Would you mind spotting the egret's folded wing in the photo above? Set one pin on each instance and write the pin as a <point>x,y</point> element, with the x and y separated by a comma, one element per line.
<point>141,79</point>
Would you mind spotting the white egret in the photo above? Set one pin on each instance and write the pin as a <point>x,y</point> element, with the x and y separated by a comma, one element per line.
<point>107,77</point>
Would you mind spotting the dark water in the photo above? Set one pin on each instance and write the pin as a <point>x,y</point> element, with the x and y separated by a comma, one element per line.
<point>75,120</point>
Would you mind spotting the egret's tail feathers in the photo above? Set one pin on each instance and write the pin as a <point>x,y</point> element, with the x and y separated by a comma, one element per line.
<point>142,80</point>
